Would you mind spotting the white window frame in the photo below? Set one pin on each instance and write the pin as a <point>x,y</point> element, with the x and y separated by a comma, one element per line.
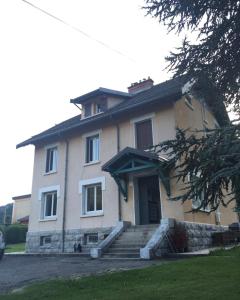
<point>53,168</point>
<point>97,159</point>
<point>45,199</point>
<point>41,197</point>
<point>83,185</point>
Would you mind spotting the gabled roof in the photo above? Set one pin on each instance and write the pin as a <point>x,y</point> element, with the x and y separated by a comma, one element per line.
<point>99,92</point>
<point>129,152</point>
<point>161,93</point>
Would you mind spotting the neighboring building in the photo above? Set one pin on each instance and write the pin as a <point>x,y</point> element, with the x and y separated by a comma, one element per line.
<point>21,209</point>
<point>6,214</point>
<point>94,169</point>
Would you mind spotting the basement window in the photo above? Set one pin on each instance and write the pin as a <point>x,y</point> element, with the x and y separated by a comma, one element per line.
<point>45,240</point>
<point>91,238</point>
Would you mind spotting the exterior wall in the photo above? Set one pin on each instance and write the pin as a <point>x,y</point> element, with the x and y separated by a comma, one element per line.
<point>192,116</point>
<point>21,208</point>
<point>72,238</point>
<point>113,101</point>
<point>42,180</point>
<point>76,223</point>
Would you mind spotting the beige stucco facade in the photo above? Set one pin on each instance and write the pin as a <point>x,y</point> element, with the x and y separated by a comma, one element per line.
<point>164,122</point>
<point>73,173</point>
<point>21,207</point>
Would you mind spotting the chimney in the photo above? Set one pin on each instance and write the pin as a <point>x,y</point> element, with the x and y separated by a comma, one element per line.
<point>140,86</point>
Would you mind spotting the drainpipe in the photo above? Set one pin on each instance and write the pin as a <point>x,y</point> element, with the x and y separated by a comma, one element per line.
<point>119,194</point>
<point>65,195</point>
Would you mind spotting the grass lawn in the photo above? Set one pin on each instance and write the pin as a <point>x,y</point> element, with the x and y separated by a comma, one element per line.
<point>15,248</point>
<point>212,277</point>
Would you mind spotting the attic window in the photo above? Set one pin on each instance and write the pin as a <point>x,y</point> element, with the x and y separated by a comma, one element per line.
<point>88,110</point>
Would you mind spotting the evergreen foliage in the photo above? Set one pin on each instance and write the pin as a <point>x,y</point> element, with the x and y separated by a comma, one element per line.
<point>217,50</point>
<point>208,164</point>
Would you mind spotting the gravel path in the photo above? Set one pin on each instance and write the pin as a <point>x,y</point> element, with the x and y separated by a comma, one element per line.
<point>19,271</point>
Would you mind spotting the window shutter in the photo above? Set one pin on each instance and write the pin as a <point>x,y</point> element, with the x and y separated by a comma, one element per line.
<point>144,139</point>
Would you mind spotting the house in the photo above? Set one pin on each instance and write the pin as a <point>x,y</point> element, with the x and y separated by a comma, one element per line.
<point>94,175</point>
<point>21,209</point>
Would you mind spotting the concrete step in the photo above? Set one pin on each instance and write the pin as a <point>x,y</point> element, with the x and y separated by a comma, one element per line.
<point>121,255</point>
<point>123,250</point>
<point>131,241</point>
<point>138,233</point>
<point>149,229</point>
<point>127,245</point>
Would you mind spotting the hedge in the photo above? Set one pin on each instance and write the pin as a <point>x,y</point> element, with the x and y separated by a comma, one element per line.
<point>15,233</point>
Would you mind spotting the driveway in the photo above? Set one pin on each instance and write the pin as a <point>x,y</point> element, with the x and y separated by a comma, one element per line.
<point>18,271</point>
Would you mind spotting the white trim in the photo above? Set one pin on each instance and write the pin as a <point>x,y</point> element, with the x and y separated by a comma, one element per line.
<point>186,88</point>
<point>47,189</point>
<point>142,118</point>
<point>95,180</point>
<point>85,137</point>
<point>48,219</point>
<point>95,132</point>
<point>94,162</point>
<point>49,146</point>
<point>94,214</point>
<point>55,158</point>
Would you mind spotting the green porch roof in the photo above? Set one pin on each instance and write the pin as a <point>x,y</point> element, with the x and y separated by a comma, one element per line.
<point>131,160</point>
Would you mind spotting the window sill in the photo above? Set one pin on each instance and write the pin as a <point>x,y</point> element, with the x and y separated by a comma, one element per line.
<point>100,214</point>
<point>92,163</point>
<point>49,173</point>
<point>48,219</point>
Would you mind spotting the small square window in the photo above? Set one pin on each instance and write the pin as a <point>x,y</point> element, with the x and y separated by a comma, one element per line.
<point>51,160</point>
<point>91,238</point>
<point>45,240</point>
<point>92,148</point>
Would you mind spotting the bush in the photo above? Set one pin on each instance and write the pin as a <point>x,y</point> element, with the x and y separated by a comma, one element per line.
<point>15,233</point>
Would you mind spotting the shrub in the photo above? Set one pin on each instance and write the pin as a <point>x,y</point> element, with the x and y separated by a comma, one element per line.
<point>15,233</point>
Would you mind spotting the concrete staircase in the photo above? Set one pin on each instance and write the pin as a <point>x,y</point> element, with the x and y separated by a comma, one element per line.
<point>128,245</point>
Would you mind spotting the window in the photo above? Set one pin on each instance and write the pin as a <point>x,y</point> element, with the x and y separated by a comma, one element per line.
<point>92,198</point>
<point>87,110</point>
<point>144,138</point>
<point>198,201</point>
<point>51,161</point>
<point>91,238</point>
<point>100,107</point>
<point>45,240</point>
<point>49,204</point>
<point>92,149</point>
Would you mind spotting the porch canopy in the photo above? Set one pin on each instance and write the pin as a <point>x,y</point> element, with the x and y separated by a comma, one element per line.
<point>131,160</point>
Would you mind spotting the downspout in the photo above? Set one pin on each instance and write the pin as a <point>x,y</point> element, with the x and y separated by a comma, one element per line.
<point>65,195</point>
<point>119,193</point>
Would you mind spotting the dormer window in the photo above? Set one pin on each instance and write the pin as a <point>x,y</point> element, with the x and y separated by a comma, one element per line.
<point>88,110</point>
<point>94,108</point>
<point>99,107</point>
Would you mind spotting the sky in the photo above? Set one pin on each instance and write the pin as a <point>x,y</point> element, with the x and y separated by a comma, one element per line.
<point>44,63</point>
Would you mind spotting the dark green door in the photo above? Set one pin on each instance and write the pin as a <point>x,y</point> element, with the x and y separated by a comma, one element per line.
<point>149,200</point>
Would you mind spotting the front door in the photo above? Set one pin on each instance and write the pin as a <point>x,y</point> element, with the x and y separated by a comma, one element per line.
<point>149,200</point>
